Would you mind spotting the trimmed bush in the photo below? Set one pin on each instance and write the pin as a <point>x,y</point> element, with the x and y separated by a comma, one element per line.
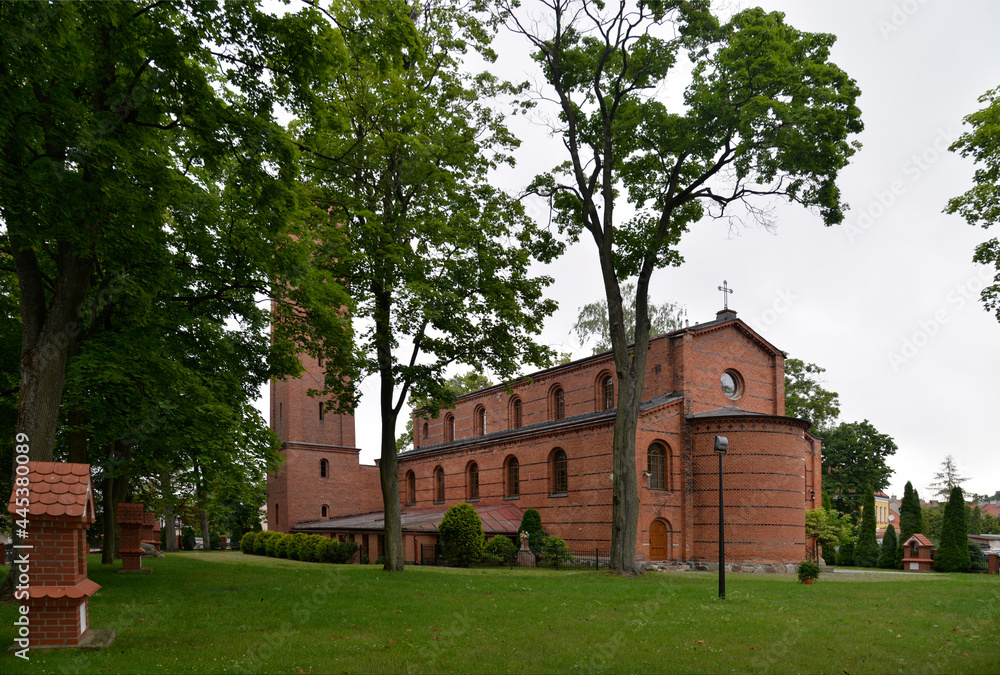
<point>271,546</point>
<point>188,539</point>
<point>531,522</point>
<point>281,547</point>
<point>461,535</point>
<point>500,549</point>
<point>294,545</point>
<point>312,547</point>
<point>887,558</point>
<point>336,552</point>
<point>555,551</point>
<point>246,543</point>
<point>260,541</point>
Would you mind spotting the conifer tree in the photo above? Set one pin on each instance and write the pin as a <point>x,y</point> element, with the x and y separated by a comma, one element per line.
<point>953,553</point>
<point>866,552</point>
<point>845,555</point>
<point>907,521</point>
<point>887,557</point>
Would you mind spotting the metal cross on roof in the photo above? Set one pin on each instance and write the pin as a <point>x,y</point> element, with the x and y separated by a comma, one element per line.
<point>726,290</point>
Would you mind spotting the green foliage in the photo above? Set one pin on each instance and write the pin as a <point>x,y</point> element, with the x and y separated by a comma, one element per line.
<point>890,545</point>
<point>281,546</point>
<point>531,522</point>
<point>946,479</point>
<point>828,528</point>
<point>214,540</point>
<point>952,554</point>
<point>338,552</point>
<point>500,549</point>
<point>312,548</point>
<point>592,321</point>
<point>274,541</point>
<point>461,535</point>
<point>808,570</point>
<point>805,397</point>
<point>555,552</point>
<point>247,542</point>
<point>866,551</point>
<point>845,554</point>
<point>910,520</point>
<point>830,555</point>
<point>294,544</point>
<point>981,204</point>
<point>261,540</point>
<point>854,461</point>
<point>974,518</point>
<point>933,518</point>
<point>188,539</point>
<point>978,561</point>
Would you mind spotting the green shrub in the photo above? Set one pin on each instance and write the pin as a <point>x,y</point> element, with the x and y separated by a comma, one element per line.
<point>979,561</point>
<point>531,522</point>
<point>187,540</point>
<point>500,549</point>
<point>830,554</point>
<point>337,552</point>
<point>808,570</point>
<point>270,547</point>
<point>555,551</point>
<point>260,542</point>
<point>845,556</point>
<point>461,535</point>
<point>246,543</point>
<point>312,547</point>
<point>866,550</point>
<point>295,545</point>
<point>380,560</point>
<point>281,546</point>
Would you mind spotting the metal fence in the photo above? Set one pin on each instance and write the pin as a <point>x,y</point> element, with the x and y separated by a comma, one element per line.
<point>594,559</point>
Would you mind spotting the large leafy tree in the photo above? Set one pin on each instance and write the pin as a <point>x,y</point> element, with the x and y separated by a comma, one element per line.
<point>764,114</point>
<point>592,321</point>
<point>854,461</point>
<point>436,257</point>
<point>981,204</point>
<point>806,398</point>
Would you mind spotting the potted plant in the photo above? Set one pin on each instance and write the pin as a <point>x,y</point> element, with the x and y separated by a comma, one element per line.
<point>808,571</point>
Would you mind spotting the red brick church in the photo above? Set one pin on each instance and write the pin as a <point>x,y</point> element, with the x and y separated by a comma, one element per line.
<point>546,444</point>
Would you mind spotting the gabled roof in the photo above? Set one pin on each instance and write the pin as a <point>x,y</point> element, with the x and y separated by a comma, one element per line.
<point>58,490</point>
<point>497,519</point>
<point>921,539</point>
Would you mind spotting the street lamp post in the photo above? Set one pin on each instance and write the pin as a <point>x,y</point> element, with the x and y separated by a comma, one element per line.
<point>721,447</point>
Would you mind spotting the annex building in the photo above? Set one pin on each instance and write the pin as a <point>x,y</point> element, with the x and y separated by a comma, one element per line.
<point>545,443</point>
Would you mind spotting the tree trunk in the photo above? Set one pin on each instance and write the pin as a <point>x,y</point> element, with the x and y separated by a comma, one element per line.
<point>169,525</point>
<point>206,543</point>
<point>115,492</point>
<point>48,331</point>
<point>388,465</point>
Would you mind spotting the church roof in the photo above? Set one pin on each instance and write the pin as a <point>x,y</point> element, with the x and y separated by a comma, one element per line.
<point>497,519</point>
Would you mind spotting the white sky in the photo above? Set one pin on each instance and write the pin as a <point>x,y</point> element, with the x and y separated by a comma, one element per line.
<point>888,304</point>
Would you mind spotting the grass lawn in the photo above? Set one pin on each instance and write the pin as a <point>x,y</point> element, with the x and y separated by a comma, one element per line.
<point>226,612</point>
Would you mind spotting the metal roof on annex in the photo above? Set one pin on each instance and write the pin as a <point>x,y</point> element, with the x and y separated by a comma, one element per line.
<point>497,519</point>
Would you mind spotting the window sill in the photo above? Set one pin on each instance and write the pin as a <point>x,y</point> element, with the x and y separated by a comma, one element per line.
<point>511,499</point>
<point>440,502</point>
<point>410,504</point>
<point>558,494</point>
<point>472,501</point>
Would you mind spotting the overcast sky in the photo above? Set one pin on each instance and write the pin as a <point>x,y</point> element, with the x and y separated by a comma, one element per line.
<point>888,302</point>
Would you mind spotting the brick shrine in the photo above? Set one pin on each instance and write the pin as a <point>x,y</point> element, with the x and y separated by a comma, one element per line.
<point>918,554</point>
<point>61,507</point>
<point>131,521</point>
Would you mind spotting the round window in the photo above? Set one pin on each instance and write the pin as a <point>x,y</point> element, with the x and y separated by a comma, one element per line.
<point>731,384</point>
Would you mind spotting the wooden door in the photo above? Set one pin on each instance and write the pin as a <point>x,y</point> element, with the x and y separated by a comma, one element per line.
<point>657,540</point>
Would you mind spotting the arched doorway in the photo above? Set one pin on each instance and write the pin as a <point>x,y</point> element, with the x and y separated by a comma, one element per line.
<point>658,541</point>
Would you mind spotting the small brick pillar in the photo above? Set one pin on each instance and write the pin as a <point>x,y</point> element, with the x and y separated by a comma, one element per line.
<point>55,601</point>
<point>993,564</point>
<point>130,519</point>
<point>3,553</point>
<point>156,534</point>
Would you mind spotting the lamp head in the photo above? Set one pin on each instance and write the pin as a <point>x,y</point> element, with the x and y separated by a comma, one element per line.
<point>721,445</point>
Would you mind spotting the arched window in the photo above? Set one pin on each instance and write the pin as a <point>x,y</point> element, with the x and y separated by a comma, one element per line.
<point>558,403</point>
<point>277,514</point>
<point>608,392</point>
<point>512,482</point>
<point>558,472</point>
<point>655,467</point>
<point>411,488</point>
<point>439,484</point>
<point>449,428</point>
<point>323,468</point>
<point>321,411</point>
<point>480,421</point>
<point>425,430</point>
<point>325,510</point>
<point>472,481</point>
<point>515,414</point>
